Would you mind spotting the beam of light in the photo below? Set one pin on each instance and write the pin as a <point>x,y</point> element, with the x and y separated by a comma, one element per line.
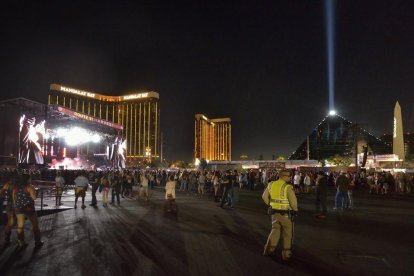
<point>330,35</point>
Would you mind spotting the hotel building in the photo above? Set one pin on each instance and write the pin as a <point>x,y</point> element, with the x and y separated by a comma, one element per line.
<point>138,113</point>
<point>212,139</point>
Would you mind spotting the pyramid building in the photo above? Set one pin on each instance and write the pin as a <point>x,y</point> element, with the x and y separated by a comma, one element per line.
<point>335,135</point>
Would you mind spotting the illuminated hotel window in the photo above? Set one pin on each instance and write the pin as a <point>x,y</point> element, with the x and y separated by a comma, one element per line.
<point>212,138</point>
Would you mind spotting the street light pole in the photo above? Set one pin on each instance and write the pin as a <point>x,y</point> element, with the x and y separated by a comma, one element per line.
<point>356,146</point>
<point>161,153</point>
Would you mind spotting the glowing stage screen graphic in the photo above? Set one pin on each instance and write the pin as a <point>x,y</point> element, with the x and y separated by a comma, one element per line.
<point>31,141</point>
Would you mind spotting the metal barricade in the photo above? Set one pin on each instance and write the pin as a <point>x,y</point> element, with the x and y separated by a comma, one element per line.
<point>42,186</point>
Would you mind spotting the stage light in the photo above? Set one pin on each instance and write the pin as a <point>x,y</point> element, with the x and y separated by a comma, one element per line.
<point>96,138</point>
<point>61,132</point>
<point>76,136</point>
<point>332,113</point>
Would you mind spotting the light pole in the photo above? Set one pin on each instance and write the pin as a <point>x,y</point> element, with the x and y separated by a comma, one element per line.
<point>356,146</point>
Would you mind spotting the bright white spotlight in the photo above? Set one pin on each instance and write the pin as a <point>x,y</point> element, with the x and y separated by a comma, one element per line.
<point>61,132</point>
<point>95,138</point>
<point>332,113</point>
<point>76,136</point>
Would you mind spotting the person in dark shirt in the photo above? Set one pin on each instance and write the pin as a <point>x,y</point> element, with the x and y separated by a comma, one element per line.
<point>321,194</point>
<point>226,186</point>
<point>341,197</point>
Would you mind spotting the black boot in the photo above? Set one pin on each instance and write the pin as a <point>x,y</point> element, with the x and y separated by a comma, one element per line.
<point>38,243</point>
<point>7,240</point>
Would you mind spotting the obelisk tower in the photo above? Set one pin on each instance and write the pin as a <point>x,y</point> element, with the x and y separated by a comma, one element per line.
<point>398,135</point>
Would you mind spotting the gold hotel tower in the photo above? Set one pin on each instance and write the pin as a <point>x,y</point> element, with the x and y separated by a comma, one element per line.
<point>212,139</point>
<point>138,113</point>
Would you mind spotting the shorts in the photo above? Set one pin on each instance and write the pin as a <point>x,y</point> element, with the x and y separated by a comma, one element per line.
<point>59,191</point>
<point>80,191</point>
<point>26,210</point>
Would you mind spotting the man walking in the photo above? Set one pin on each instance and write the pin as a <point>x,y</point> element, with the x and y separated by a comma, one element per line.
<point>116,188</point>
<point>341,198</point>
<point>281,199</point>
<point>226,183</point>
<point>94,181</point>
<point>321,195</point>
<point>60,184</point>
<point>81,185</point>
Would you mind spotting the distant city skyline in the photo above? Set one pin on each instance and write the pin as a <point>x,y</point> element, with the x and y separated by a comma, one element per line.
<point>262,64</point>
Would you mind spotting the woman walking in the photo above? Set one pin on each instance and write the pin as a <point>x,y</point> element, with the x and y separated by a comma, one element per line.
<point>23,198</point>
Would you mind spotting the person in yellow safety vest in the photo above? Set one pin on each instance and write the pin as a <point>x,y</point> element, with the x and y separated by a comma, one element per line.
<point>281,199</point>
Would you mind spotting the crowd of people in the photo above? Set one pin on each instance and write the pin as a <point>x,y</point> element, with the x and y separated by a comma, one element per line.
<point>221,186</point>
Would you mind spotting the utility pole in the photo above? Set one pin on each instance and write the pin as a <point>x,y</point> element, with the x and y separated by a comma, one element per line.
<point>356,146</point>
<point>162,142</point>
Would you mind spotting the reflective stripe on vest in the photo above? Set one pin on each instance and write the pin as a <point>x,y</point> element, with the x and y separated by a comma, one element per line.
<point>278,195</point>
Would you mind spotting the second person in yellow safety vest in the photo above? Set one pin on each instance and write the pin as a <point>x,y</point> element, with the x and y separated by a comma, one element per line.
<point>281,199</point>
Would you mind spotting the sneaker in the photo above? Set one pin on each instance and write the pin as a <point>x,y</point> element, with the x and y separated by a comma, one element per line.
<point>75,207</point>
<point>83,206</point>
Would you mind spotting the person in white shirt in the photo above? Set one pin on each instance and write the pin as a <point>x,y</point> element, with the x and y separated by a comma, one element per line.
<point>60,184</point>
<point>307,182</point>
<point>170,194</point>
<point>81,185</point>
<point>296,182</point>
<point>144,186</point>
<point>201,184</point>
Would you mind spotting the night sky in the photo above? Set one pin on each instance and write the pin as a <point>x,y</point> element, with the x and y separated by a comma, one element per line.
<point>261,63</point>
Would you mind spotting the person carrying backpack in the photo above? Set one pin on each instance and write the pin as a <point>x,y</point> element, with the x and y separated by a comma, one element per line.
<point>23,198</point>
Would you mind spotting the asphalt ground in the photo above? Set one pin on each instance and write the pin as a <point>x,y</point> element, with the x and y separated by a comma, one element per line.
<point>140,238</point>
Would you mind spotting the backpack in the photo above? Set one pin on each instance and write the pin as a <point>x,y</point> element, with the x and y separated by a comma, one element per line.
<point>23,198</point>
